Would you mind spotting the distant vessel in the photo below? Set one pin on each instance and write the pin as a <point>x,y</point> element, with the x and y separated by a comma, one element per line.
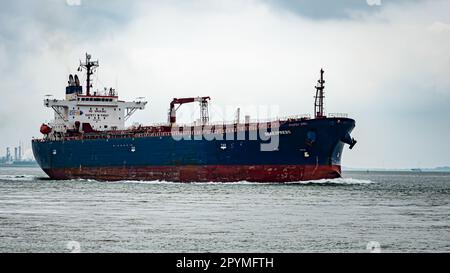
<point>88,139</point>
<point>416,170</point>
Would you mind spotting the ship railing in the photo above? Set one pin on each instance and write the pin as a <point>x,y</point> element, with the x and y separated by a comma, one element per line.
<point>128,131</point>
<point>294,117</point>
<point>159,124</point>
<point>252,121</point>
<point>337,115</point>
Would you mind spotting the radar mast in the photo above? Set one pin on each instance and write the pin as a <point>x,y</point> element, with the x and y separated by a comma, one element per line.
<point>318,104</point>
<point>90,67</point>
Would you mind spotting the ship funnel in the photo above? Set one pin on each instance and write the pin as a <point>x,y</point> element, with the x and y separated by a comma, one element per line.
<point>71,81</point>
<point>77,81</point>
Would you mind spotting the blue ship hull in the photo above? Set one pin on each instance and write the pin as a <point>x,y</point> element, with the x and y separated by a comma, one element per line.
<point>308,149</point>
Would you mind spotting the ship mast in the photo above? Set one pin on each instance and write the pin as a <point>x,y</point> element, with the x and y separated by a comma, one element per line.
<point>204,114</point>
<point>318,104</point>
<point>90,67</point>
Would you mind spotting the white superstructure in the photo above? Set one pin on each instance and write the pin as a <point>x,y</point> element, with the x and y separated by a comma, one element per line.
<point>100,111</point>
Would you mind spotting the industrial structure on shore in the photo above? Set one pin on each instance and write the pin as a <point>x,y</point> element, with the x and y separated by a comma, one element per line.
<point>16,158</point>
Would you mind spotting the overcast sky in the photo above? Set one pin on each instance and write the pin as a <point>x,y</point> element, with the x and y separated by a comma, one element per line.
<point>387,64</point>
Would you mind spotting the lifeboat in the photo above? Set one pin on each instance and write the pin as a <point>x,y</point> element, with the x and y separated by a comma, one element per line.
<point>45,129</point>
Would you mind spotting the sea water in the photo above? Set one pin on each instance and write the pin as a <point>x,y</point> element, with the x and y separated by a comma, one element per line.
<point>393,211</point>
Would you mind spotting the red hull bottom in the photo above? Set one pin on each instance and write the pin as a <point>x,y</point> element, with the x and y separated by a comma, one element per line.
<point>222,173</point>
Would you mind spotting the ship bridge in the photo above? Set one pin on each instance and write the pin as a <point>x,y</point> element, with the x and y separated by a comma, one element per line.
<point>98,110</point>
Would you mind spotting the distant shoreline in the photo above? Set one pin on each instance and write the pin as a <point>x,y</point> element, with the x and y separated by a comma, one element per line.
<point>411,170</point>
<point>30,165</point>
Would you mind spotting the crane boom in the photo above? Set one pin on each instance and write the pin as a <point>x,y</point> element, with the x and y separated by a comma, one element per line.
<point>204,116</point>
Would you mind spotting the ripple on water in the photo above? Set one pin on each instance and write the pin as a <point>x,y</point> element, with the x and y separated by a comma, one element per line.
<point>332,215</point>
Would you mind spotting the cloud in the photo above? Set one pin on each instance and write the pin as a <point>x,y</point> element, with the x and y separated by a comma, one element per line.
<point>323,9</point>
<point>440,28</point>
<point>73,2</point>
<point>373,2</point>
<point>386,65</point>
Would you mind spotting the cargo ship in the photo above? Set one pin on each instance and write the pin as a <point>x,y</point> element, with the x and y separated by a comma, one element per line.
<point>88,139</point>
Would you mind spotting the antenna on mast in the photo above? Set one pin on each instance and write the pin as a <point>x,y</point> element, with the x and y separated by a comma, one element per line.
<point>318,104</point>
<point>90,67</point>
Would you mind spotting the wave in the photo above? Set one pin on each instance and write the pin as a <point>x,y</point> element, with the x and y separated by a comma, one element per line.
<point>15,177</point>
<point>334,181</point>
